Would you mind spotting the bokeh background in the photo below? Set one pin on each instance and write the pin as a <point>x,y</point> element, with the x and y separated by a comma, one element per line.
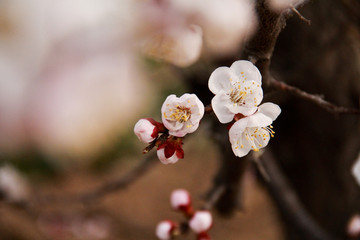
<point>75,78</point>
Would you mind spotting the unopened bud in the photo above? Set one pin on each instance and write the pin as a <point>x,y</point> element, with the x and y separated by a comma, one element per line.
<point>180,200</point>
<point>353,228</point>
<point>201,221</point>
<point>164,229</point>
<point>145,130</point>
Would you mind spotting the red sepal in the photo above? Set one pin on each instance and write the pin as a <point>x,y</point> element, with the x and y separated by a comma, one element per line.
<point>169,150</point>
<point>203,236</point>
<point>180,152</point>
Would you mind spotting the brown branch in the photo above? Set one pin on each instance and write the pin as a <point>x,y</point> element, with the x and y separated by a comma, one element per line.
<point>213,196</point>
<point>105,189</point>
<point>317,99</point>
<point>289,204</point>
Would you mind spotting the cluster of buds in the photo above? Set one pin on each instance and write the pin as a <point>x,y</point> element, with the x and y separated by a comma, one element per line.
<point>238,94</point>
<point>198,221</point>
<point>180,116</point>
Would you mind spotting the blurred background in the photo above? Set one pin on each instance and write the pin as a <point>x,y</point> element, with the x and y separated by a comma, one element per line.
<point>77,75</point>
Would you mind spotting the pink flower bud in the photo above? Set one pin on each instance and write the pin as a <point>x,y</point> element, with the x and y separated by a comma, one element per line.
<point>180,200</point>
<point>164,229</point>
<point>353,228</point>
<point>146,130</point>
<point>201,221</point>
<point>170,151</point>
<point>167,160</point>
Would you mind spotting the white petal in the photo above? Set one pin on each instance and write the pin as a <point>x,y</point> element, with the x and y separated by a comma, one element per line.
<point>221,80</point>
<point>241,151</point>
<point>161,155</point>
<point>237,129</point>
<point>356,170</point>
<point>259,120</point>
<point>270,109</point>
<point>220,109</point>
<point>246,111</point>
<point>254,93</point>
<point>246,68</point>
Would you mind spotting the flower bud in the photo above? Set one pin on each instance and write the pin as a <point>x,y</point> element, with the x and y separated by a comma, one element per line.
<point>164,229</point>
<point>353,228</point>
<point>170,151</point>
<point>167,160</point>
<point>146,130</point>
<point>201,221</point>
<point>180,200</point>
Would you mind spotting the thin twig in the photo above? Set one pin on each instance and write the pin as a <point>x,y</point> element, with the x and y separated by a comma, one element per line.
<point>107,188</point>
<point>317,99</point>
<point>300,15</point>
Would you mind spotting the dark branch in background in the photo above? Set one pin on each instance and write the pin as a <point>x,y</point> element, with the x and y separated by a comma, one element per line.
<point>288,203</point>
<point>107,188</point>
<point>317,99</point>
<point>226,193</point>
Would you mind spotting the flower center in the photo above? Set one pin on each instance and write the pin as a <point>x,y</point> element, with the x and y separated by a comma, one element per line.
<point>180,114</point>
<point>237,96</point>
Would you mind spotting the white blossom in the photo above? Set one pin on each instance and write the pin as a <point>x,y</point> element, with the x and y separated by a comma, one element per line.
<point>164,229</point>
<point>253,132</point>
<point>180,198</point>
<point>145,130</point>
<point>179,46</point>
<point>182,115</point>
<point>201,221</point>
<point>237,90</point>
<point>12,184</point>
<point>175,29</point>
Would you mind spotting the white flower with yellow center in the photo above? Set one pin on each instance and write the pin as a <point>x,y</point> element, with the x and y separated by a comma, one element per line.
<point>253,132</point>
<point>182,115</point>
<point>237,90</point>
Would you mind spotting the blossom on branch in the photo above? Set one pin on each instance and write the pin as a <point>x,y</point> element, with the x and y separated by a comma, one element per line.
<point>170,151</point>
<point>237,90</point>
<point>253,132</point>
<point>164,229</point>
<point>175,29</point>
<point>201,221</point>
<point>180,199</point>
<point>147,129</point>
<point>182,115</point>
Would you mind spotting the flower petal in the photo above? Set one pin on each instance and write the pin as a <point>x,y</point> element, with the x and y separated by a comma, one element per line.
<point>221,79</point>
<point>270,109</point>
<point>254,93</point>
<point>241,151</point>
<point>259,120</point>
<point>220,109</point>
<point>246,69</point>
<point>165,160</point>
